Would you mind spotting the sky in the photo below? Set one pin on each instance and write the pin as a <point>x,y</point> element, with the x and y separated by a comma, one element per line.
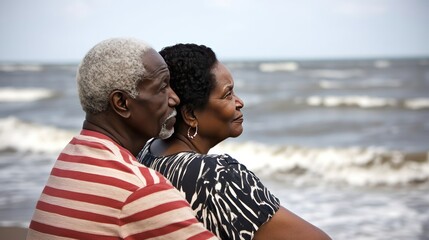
<point>64,30</point>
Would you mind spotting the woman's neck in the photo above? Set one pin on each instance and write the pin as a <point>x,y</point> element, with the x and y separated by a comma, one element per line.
<point>177,143</point>
<point>188,144</point>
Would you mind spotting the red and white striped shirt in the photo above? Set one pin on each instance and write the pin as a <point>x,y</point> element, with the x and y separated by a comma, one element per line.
<point>97,190</point>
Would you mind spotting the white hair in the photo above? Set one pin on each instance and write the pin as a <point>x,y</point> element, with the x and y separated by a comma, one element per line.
<point>113,64</point>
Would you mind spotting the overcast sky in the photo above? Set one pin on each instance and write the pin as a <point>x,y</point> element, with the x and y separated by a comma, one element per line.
<point>64,30</point>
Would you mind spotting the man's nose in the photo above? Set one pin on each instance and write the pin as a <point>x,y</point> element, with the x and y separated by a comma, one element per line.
<point>173,99</point>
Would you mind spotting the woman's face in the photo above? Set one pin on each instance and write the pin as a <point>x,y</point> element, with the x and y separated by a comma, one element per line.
<point>222,117</point>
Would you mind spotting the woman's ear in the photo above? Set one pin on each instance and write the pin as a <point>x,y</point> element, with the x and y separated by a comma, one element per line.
<point>188,116</point>
<point>119,101</point>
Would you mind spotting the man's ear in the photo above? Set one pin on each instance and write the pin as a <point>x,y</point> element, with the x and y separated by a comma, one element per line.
<point>119,101</point>
<point>188,116</point>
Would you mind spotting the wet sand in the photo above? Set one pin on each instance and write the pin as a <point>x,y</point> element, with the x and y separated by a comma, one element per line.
<point>13,233</point>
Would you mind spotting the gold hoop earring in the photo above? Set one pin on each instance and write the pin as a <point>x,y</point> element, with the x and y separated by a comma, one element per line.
<point>189,132</point>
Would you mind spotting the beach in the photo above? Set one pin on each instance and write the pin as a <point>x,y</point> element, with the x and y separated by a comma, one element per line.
<point>16,233</point>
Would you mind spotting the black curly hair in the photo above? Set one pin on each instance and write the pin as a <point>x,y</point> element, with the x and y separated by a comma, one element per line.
<point>190,68</point>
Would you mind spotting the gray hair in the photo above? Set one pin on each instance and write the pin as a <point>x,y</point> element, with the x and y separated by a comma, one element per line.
<point>113,64</point>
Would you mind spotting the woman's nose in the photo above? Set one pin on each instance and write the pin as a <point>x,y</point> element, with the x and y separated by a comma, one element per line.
<point>238,102</point>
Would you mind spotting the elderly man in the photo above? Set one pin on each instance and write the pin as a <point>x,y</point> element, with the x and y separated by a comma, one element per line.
<point>97,189</point>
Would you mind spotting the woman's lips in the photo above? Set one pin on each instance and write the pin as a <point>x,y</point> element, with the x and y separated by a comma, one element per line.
<point>239,119</point>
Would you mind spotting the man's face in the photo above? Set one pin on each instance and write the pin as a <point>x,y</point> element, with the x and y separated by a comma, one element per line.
<point>154,115</point>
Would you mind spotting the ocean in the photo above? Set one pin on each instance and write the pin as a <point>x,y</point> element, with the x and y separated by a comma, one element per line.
<point>342,143</point>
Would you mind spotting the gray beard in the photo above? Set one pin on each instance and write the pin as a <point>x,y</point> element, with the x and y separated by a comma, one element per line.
<point>165,133</point>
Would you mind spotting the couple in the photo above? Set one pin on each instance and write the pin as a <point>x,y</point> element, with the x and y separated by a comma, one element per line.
<point>98,190</point>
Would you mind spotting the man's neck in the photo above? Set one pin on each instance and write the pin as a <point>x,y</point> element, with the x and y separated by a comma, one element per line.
<point>114,129</point>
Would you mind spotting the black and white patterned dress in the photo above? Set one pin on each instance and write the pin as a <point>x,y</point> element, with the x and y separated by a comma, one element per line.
<point>226,197</point>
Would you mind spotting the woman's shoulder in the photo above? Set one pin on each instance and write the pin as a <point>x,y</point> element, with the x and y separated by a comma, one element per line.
<point>223,158</point>
<point>208,160</point>
<point>219,160</point>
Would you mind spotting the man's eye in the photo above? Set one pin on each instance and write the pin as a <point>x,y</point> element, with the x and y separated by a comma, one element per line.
<point>164,86</point>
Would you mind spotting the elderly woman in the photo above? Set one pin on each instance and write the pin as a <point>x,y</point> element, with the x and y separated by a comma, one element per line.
<point>229,199</point>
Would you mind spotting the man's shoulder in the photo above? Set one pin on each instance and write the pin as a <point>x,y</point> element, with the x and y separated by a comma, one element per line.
<point>118,162</point>
<point>149,176</point>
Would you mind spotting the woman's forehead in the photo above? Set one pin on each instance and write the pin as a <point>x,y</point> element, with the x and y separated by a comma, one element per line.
<point>222,75</point>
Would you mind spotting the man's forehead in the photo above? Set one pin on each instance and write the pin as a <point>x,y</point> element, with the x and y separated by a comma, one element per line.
<point>154,65</point>
<point>152,60</point>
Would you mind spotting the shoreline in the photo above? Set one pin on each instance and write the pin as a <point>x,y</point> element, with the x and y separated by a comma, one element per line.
<point>13,232</point>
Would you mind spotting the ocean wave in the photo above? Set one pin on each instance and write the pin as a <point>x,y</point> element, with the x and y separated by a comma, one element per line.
<point>371,166</point>
<point>364,102</point>
<point>360,101</point>
<point>417,103</point>
<point>10,94</point>
<point>21,67</point>
<point>277,67</point>
<point>335,74</point>
<point>382,64</point>
<point>364,83</point>
<point>20,136</point>
<point>299,165</point>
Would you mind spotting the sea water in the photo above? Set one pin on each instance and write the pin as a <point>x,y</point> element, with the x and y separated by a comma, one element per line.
<point>342,143</point>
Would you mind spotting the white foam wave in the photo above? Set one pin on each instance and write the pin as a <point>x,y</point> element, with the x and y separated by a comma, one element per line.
<point>10,94</point>
<point>336,74</point>
<point>276,67</point>
<point>21,67</point>
<point>369,83</point>
<point>417,103</point>
<point>359,101</point>
<point>23,136</point>
<point>354,165</point>
<point>14,224</point>
<point>382,64</point>
<point>364,102</point>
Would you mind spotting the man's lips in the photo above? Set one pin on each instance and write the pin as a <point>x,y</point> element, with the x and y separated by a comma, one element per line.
<point>171,120</point>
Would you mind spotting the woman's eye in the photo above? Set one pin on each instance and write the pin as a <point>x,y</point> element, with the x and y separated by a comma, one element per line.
<point>228,95</point>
